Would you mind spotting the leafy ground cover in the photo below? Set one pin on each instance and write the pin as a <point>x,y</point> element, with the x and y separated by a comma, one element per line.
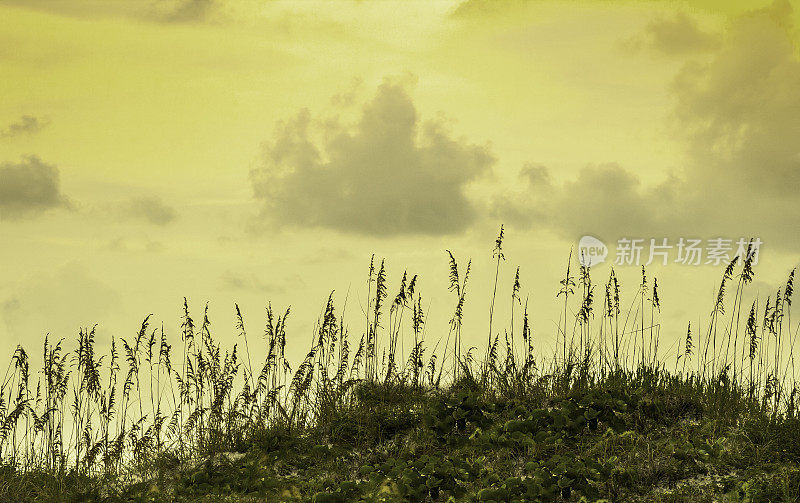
<point>630,437</point>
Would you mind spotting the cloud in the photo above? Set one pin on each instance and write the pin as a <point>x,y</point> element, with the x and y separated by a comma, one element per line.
<point>188,11</point>
<point>482,8</point>
<point>604,200</point>
<point>527,203</point>
<point>29,187</point>
<point>627,206</point>
<point>677,35</point>
<point>152,209</point>
<point>27,124</point>
<point>738,114</point>
<point>388,174</point>
<point>741,112</point>
<point>45,302</point>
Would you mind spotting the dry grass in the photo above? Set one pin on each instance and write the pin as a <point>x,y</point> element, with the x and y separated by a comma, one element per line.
<point>161,403</point>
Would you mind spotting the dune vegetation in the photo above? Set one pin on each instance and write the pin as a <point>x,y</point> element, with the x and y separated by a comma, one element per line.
<point>386,408</point>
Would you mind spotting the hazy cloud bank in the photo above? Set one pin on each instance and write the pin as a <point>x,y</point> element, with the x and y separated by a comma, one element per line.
<point>677,35</point>
<point>738,113</point>
<point>44,303</point>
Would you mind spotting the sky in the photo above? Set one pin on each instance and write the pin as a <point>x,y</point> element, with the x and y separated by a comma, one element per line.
<point>261,151</point>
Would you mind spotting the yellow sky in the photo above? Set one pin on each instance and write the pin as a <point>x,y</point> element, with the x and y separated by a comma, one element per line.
<point>255,151</point>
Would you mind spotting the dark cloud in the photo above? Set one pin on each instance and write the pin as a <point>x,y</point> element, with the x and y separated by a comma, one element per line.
<point>152,209</point>
<point>741,111</point>
<point>481,8</point>
<point>678,35</point>
<point>739,115</point>
<point>187,11</point>
<point>527,203</point>
<point>27,124</point>
<point>605,200</point>
<point>29,187</point>
<point>627,205</point>
<point>388,174</point>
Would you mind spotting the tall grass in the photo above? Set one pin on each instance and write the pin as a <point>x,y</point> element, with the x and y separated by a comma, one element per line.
<point>124,412</point>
